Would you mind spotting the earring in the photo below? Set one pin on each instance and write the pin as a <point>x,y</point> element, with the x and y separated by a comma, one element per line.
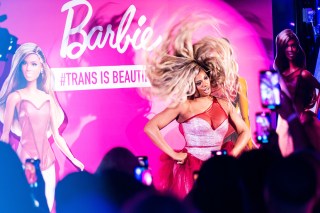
<point>41,71</point>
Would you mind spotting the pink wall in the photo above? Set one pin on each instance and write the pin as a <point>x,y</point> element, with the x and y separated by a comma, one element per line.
<point>101,118</point>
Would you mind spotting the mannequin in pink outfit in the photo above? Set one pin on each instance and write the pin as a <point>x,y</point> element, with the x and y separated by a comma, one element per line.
<point>299,85</point>
<point>29,109</point>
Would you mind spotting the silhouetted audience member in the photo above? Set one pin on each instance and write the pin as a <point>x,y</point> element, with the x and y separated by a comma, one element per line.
<point>155,202</point>
<point>120,187</point>
<point>273,144</point>
<point>218,187</point>
<point>15,193</point>
<point>116,171</point>
<point>120,159</point>
<point>81,192</point>
<point>254,166</point>
<point>292,184</point>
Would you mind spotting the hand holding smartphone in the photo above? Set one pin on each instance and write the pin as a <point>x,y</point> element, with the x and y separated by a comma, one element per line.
<point>263,127</point>
<point>30,169</point>
<point>219,152</point>
<point>142,172</point>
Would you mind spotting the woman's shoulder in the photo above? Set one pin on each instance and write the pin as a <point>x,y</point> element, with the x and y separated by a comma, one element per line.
<point>14,96</point>
<point>225,104</point>
<point>13,99</point>
<point>221,101</point>
<point>306,74</point>
<point>184,106</point>
<point>177,107</point>
<point>184,110</point>
<point>309,78</point>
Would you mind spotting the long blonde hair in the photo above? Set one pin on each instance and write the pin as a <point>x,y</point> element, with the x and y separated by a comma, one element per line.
<point>16,81</point>
<point>172,67</point>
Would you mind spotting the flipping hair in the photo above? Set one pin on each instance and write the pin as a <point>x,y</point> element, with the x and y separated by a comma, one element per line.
<point>281,62</point>
<point>173,66</point>
<point>16,81</point>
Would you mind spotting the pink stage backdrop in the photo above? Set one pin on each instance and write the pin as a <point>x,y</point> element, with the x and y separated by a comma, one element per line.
<point>94,48</point>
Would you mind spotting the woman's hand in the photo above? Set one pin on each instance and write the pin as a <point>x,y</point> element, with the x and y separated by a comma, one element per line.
<point>78,164</point>
<point>180,157</point>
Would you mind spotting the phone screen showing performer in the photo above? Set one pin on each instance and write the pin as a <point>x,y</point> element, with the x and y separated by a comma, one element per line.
<point>30,169</point>
<point>142,172</point>
<point>263,127</point>
<point>219,152</point>
<point>269,89</point>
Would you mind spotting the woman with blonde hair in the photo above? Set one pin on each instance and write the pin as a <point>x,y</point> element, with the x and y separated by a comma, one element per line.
<point>184,71</point>
<point>29,109</point>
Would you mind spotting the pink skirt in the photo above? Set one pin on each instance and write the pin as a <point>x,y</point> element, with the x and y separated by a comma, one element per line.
<point>176,178</point>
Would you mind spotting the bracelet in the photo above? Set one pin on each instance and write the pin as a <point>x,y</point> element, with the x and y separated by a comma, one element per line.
<point>292,117</point>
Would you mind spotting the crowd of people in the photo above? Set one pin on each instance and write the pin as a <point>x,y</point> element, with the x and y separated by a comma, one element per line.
<point>259,180</point>
<point>208,99</point>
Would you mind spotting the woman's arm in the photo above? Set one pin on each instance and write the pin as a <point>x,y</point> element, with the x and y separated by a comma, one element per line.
<point>158,122</point>
<point>11,103</point>
<point>310,79</point>
<point>59,140</point>
<point>243,131</point>
<point>315,83</point>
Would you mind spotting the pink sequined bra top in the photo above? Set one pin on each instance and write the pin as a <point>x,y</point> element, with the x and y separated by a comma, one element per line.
<point>35,122</point>
<point>206,131</point>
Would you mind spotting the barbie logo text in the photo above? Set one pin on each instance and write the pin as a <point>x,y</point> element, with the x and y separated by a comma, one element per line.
<point>119,39</point>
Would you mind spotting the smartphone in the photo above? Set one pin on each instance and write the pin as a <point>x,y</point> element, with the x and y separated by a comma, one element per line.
<point>219,152</point>
<point>269,89</point>
<point>142,172</point>
<point>143,161</point>
<point>263,127</point>
<point>30,169</point>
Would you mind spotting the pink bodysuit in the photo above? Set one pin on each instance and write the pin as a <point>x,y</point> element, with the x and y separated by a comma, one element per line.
<point>35,123</point>
<point>204,132</point>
